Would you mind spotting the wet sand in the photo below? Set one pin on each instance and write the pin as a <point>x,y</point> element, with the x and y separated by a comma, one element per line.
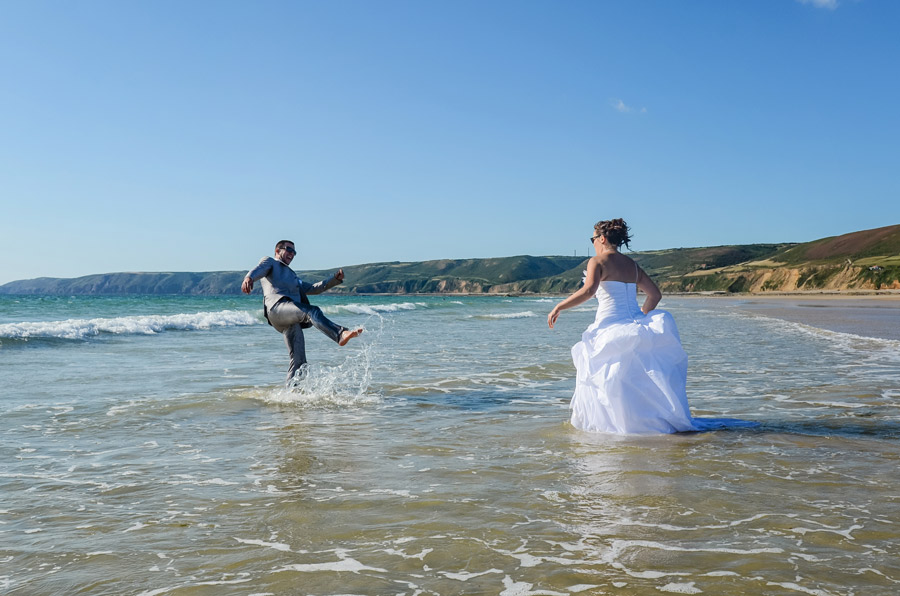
<point>869,316</point>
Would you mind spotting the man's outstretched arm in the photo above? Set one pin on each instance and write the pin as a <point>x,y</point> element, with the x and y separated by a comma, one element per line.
<point>319,287</point>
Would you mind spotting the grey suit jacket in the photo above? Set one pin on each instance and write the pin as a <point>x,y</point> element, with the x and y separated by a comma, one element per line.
<point>279,281</point>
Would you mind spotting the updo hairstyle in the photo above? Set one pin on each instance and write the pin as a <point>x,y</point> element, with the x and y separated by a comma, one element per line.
<point>615,230</point>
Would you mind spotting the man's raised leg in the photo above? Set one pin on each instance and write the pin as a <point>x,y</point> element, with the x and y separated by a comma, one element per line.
<point>289,312</point>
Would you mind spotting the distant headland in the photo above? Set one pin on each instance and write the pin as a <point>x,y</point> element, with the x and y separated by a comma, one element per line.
<point>859,261</point>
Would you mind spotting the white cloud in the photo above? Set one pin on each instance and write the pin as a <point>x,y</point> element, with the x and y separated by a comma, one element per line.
<point>621,106</point>
<point>829,4</point>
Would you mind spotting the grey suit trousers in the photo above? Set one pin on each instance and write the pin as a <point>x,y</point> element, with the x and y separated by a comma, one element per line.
<point>286,317</point>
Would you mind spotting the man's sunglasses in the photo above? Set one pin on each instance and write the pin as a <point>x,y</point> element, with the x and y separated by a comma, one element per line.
<point>290,249</point>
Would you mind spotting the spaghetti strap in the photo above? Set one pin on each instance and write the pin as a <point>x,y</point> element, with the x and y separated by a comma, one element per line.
<point>637,273</point>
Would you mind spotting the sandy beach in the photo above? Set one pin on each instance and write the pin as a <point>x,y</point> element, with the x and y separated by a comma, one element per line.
<point>869,315</point>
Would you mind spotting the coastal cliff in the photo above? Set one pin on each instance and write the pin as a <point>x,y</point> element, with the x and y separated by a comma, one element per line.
<point>864,260</point>
<point>785,279</point>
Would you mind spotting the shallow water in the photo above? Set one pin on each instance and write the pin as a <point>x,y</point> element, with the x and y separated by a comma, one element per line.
<point>148,448</point>
<point>877,316</point>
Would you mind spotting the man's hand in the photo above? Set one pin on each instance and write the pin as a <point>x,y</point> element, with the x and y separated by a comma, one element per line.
<point>339,275</point>
<point>247,285</point>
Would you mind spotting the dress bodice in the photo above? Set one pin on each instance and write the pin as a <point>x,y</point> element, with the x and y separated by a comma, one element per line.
<point>617,301</point>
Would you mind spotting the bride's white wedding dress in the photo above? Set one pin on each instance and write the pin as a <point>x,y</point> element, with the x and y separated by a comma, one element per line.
<point>632,370</point>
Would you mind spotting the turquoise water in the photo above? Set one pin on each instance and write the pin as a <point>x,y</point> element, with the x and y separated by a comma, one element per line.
<point>148,447</point>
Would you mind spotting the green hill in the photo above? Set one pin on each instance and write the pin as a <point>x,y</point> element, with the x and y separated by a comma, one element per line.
<point>448,275</point>
<point>462,275</point>
<point>868,259</point>
<point>680,261</point>
<point>217,282</point>
<point>868,245</point>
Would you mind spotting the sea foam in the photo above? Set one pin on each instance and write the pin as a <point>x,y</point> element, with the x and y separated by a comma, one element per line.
<point>133,325</point>
<point>512,315</point>
<point>371,309</point>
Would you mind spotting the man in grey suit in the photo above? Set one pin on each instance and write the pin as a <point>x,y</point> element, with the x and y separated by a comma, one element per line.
<point>286,307</point>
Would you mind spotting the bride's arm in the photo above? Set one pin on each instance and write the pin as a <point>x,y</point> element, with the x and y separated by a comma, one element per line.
<point>649,288</point>
<point>582,294</point>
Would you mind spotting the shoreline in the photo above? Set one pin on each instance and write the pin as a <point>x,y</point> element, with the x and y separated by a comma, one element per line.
<point>820,294</point>
<point>866,315</point>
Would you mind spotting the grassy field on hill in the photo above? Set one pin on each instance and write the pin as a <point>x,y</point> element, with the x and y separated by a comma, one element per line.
<point>865,260</point>
<point>881,244</point>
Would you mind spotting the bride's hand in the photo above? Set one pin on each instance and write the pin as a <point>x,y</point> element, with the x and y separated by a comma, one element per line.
<point>551,318</point>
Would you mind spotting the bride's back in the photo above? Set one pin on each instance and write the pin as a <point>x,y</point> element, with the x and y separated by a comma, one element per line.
<point>617,267</point>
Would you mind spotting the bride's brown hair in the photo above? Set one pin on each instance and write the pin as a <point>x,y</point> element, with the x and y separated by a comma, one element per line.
<point>615,230</point>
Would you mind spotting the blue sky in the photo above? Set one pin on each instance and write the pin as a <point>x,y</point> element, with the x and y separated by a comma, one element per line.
<point>190,136</point>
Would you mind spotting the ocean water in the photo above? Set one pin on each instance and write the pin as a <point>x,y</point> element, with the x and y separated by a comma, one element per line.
<point>148,447</point>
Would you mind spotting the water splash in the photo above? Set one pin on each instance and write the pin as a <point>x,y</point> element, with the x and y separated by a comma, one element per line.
<point>346,384</point>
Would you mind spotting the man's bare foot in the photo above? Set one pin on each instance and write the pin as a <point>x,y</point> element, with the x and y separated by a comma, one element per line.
<point>349,334</point>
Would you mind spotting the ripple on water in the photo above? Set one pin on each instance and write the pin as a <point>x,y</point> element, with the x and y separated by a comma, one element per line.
<point>447,466</point>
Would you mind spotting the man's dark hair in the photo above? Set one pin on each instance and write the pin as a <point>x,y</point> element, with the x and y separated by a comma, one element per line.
<point>282,243</point>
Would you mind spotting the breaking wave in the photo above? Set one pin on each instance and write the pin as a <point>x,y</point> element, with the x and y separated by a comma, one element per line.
<point>512,315</point>
<point>371,309</point>
<point>133,325</point>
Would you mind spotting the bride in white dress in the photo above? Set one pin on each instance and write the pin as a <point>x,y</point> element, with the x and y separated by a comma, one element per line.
<point>631,368</point>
